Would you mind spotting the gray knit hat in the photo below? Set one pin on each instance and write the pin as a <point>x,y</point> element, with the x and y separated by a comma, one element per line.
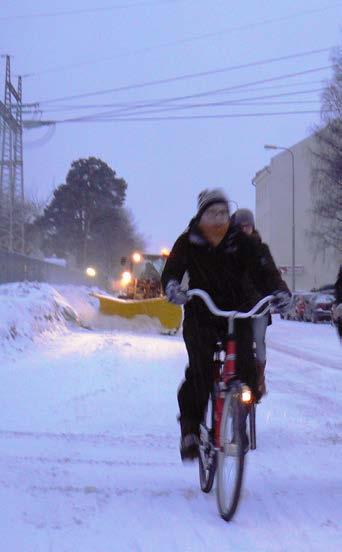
<point>209,197</point>
<point>244,216</point>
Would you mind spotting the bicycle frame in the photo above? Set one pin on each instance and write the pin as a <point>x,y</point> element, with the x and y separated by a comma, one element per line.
<point>224,442</point>
<point>225,373</point>
<point>225,357</point>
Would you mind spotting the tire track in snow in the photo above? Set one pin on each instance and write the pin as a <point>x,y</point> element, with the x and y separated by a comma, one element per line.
<point>85,462</point>
<point>148,440</point>
<point>304,355</point>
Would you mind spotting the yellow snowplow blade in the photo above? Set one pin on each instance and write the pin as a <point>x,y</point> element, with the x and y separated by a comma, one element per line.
<point>169,315</point>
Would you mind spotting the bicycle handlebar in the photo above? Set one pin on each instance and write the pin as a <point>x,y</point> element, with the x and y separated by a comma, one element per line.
<point>228,314</point>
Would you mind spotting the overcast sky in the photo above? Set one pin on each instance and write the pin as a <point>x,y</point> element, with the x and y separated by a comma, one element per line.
<point>79,47</point>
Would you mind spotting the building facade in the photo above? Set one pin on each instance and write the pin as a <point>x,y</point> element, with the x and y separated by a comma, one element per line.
<point>314,267</point>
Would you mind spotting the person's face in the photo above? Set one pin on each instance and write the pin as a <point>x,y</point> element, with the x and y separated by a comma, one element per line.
<point>216,215</point>
<point>247,228</point>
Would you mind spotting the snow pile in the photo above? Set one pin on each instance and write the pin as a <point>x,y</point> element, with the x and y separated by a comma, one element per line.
<point>32,309</point>
<point>87,306</point>
<point>82,300</point>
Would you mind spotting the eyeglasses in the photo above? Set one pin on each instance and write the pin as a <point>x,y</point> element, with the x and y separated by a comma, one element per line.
<point>216,214</point>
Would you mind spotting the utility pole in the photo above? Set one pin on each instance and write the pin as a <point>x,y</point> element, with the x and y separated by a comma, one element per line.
<point>11,167</point>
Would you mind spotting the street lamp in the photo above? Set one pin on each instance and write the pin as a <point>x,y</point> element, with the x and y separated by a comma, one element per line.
<point>272,147</point>
<point>136,257</point>
<point>91,272</point>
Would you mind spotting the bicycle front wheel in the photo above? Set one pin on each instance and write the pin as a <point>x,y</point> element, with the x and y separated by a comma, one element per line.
<point>207,452</point>
<point>252,427</point>
<point>231,455</point>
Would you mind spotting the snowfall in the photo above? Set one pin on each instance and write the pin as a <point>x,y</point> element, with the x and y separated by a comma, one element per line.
<point>89,436</point>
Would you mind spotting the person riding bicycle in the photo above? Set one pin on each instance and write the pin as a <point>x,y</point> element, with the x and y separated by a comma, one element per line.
<point>221,260</point>
<point>244,219</point>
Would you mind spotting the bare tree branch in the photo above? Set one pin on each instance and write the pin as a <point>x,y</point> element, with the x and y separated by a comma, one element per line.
<point>327,164</point>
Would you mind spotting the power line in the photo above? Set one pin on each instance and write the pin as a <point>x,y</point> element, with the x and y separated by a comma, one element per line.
<point>236,102</point>
<point>212,92</point>
<point>186,76</point>
<point>251,88</point>
<point>239,104</point>
<point>240,86</point>
<point>116,116</point>
<point>173,117</point>
<point>166,101</point>
<point>143,104</point>
<point>43,139</point>
<point>90,10</point>
<point>184,40</point>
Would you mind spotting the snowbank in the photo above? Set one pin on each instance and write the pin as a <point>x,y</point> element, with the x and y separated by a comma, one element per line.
<point>30,310</point>
<point>82,300</point>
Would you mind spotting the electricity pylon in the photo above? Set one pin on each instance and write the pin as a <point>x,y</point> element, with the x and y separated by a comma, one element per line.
<point>11,167</point>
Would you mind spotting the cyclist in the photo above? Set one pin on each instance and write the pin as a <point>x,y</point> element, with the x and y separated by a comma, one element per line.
<point>244,219</point>
<point>223,261</point>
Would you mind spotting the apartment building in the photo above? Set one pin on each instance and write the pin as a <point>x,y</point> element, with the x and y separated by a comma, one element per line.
<point>314,267</point>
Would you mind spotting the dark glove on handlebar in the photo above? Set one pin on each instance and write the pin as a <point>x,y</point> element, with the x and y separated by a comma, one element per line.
<point>281,301</point>
<point>175,294</point>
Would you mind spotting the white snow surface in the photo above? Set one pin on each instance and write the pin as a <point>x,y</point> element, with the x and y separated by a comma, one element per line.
<point>30,310</point>
<point>89,438</point>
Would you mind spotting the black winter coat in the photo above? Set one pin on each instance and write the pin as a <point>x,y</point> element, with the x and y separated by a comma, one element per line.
<point>230,272</point>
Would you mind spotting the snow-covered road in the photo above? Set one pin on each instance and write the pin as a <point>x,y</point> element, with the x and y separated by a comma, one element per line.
<point>89,449</point>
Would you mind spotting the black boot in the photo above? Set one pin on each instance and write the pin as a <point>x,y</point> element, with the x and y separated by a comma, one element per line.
<point>190,438</point>
<point>189,446</point>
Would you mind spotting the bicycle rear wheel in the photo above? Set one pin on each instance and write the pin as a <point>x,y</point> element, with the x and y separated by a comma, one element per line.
<point>207,452</point>
<point>231,455</point>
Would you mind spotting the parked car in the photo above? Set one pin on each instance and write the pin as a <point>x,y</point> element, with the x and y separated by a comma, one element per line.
<point>319,307</point>
<point>328,289</point>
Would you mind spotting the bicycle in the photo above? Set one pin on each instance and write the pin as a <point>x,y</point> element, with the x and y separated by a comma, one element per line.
<point>223,437</point>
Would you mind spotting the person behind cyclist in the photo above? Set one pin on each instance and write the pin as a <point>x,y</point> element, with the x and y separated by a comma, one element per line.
<point>338,303</point>
<point>223,261</point>
<point>244,219</point>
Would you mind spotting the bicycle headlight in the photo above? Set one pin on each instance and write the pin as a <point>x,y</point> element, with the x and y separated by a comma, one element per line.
<point>246,394</point>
